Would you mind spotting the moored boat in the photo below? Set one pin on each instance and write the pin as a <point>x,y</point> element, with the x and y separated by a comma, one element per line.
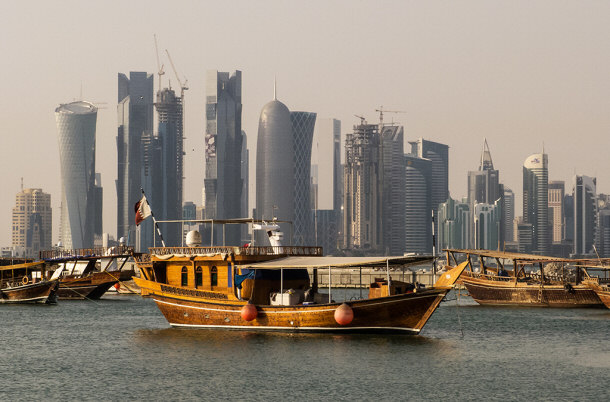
<point>524,280</point>
<point>88,274</point>
<point>276,288</point>
<point>25,281</point>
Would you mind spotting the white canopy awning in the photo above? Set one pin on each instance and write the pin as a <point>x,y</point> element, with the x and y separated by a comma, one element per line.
<point>337,262</point>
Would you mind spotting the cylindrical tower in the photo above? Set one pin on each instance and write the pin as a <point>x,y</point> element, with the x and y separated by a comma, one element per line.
<point>76,134</point>
<point>275,165</point>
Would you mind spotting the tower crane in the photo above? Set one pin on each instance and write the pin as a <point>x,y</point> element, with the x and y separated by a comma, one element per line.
<point>183,85</point>
<point>381,111</point>
<point>160,66</point>
<point>362,119</point>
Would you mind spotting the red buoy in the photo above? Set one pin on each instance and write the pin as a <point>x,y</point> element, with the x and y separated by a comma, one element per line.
<point>344,314</point>
<point>117,286</point>
<point>249,312</point>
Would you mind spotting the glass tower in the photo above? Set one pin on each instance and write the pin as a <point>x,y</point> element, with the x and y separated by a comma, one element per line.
<point>536,202</point>
<point>76,123</point>
<point>585,214</point>
<point>303,124</point>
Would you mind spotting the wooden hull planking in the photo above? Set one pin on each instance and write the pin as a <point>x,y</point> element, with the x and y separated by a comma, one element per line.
<point>39,292</point>
<point>502,293</point>
<point>405,313</point>
<point>604,296</point>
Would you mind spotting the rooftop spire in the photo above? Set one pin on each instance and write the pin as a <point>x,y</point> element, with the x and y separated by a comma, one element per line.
<point>486,162</point>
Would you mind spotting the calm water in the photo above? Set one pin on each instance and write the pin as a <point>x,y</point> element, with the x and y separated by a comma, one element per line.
<point>121,348</point>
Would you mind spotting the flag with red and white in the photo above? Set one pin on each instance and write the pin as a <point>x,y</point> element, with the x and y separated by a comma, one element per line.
<point>142,210</point>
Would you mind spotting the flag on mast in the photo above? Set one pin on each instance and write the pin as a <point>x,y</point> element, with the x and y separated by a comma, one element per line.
<point>142,210</point>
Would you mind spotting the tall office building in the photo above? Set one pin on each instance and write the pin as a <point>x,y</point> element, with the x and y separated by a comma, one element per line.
<point>362,189</point>
<point>602,238</point>
<point>275,168</point>
<point>535,201</point>
<point>509,214</point>
<point>303,124</point>
<point>454,224</point>
<point>483,187</point>
<point>76,123</point>
<point>556,195</point>
<point>418,204</point>
<point>223,183</point>
<point>585,214</point>
<point>245,188</point>
<point>135,128</point>
<point>32,222</point>
<point>393,189</point>
<point>327,188</point>
<point>167,169</point>
<point>438,154</point>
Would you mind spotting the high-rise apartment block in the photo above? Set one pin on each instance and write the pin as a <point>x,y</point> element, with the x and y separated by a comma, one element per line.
<point>81,204</point>
<point>135,131</point>
<point>585,215</point>
<point>488,226</point>
<point>362,189</point>
<point>509,214</point>
<point>32,222</point>
<point>535,202</point>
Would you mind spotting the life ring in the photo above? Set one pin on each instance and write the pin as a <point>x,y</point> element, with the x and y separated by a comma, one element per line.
<point>25,280</point>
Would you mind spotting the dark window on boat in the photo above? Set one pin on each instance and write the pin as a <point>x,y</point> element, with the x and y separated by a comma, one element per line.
<point>214,276</point>
<point>198,277</point>
<point>185,277</point>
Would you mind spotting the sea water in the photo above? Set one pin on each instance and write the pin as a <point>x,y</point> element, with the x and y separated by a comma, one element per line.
<point>121,348</point>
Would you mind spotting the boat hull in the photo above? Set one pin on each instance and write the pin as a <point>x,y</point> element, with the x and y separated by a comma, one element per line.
<point>498,293</point>
<point>604,296</point>
<point>39,292</point>
<point>405,313</point>
<point>92,286</point>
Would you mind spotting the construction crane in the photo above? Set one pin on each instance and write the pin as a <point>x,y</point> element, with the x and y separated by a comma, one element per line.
<point>160,66</point>
<point>381,111</point>
<point>183,85</point>
<point>362,119</point>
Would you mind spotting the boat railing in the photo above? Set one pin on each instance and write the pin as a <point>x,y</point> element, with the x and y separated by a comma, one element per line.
<point>491,277</point>
<point>86,252</point>
<point>250,251</point>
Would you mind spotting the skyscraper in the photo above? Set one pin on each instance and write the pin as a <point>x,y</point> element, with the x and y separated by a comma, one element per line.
<point>454,224</point>
<point>556,195</point>
<point>275,167</point>
<point>393,189</point>
<point>224,139</point>
<point>418,204</point>
<point>483,187</point>
<point>488,225</point>
<point>585,214</point>
<point>438,154</point>
<point>362,189</point>
<point>135,126</point>
<point>328,189</point>
<point>602,238</point>
<point>303,124</point>
<point>535,202</point>
<point>167,170</point>
<point>76,123</point>
<point>509,214</point>
<point>32,222</point>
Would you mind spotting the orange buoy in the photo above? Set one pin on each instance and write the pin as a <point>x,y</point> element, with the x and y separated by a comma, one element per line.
<point>117,286</point>
<point>344,314</point>
<point>249,312</point>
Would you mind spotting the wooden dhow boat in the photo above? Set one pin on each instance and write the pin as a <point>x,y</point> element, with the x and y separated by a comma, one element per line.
<point>88,273</point>
<point>276,288</point>
<point>25,281</point>
<point>523,279</point>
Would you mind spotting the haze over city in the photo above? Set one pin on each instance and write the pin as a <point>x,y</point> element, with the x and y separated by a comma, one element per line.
<point>522,74</point>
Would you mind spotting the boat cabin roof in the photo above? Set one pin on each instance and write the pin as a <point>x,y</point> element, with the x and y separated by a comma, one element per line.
<point>301,262</point>
<point>527,258</point>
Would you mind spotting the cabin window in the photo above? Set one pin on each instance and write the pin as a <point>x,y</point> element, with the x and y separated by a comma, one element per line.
<point>198,277</point>
<point>214,276</point>
<point>185,276</point>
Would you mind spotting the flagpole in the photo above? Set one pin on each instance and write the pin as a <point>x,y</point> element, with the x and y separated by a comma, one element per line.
<point>153,218</point>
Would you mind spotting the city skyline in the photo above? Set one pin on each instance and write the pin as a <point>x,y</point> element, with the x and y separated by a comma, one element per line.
<point>519,75</point>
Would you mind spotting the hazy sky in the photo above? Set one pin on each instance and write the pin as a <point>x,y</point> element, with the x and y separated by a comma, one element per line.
<point>520,73</point>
